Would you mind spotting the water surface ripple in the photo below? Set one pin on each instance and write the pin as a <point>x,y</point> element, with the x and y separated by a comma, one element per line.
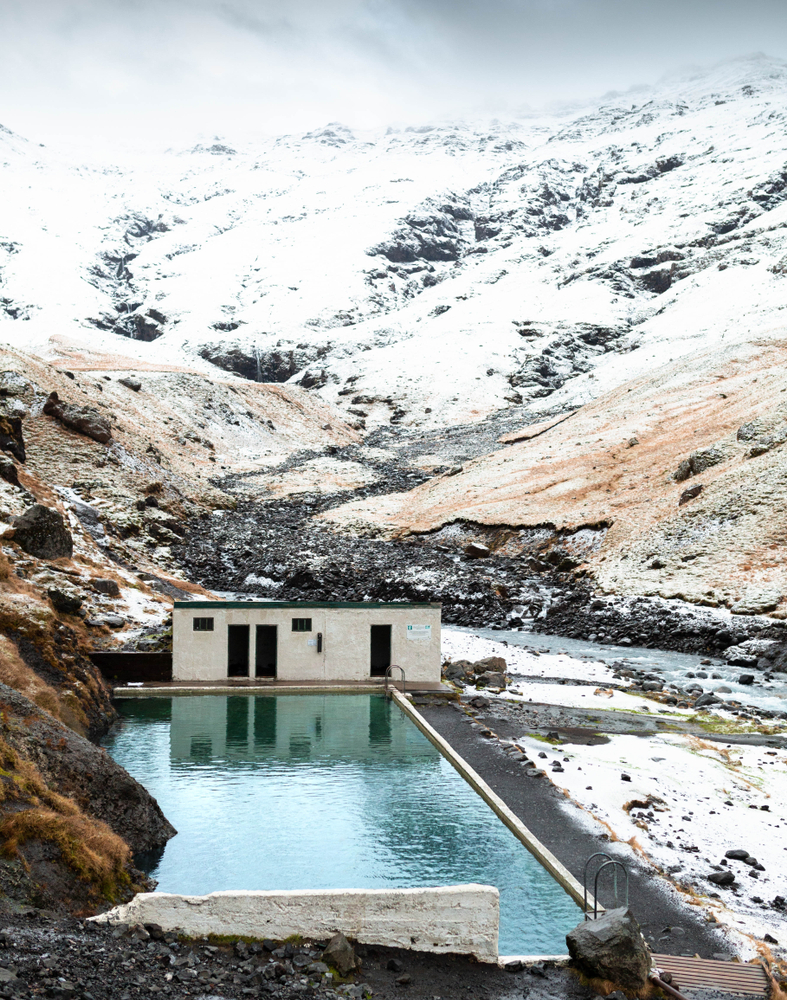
<point>321,792</point>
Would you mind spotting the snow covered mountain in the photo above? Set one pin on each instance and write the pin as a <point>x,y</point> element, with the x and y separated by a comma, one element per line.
<point>425,275</point>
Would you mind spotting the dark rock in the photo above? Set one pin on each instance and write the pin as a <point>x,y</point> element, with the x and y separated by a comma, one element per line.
<point>42,532</point>
<point>493,663</point>
<point>8,472</point>
<point>625,777</point>
<point>537,969</point>
<point>83,419</point>
<point>721,878</point>
<point>612,948</point>
<point>319,968</point>
<point>475,550</point>
<point>103,586</point>
<point>737,855</point>
<point>746,679</point>
<point>394,965</point>
<point>404,980</point>
<point>66,601</point>
<point>11,439</point>
<point>259,364</point>
<point>690,494</point>
<point>156,931</point>
<point>457,670</point>
<point>515,965</point>
<point>706,458</point>
<point>491,679</point>
<point>706,699</point>
<point>750,431</point>
<point>131,383</point>
<point>339,953</point>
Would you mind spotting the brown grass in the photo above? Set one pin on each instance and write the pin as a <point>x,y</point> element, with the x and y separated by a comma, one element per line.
<point>5,567</point>
<point>88,846</point>
<point>21,780</point>
<point>16,674</point>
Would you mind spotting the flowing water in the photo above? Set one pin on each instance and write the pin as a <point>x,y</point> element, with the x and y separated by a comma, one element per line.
<point>320,792</point>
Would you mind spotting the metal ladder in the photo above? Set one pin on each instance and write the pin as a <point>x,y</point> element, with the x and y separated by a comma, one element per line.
<point>394,666</point>
<point>612,865</point>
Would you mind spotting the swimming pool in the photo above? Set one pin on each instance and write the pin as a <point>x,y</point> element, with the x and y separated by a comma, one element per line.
<point>324,791</point>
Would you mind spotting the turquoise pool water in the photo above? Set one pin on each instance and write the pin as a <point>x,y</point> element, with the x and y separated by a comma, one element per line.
<point>321,792</point>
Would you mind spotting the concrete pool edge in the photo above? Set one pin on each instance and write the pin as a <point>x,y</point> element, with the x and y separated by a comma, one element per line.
<point>507,816</point>
<point>174,689</point>
<point>459,919</point>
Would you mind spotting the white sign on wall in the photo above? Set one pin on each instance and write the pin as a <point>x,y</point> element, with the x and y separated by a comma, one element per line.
<point>419,631</point>
<point>311,642</point>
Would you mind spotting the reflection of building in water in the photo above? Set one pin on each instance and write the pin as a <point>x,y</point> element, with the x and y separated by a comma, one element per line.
<point>287,727</point>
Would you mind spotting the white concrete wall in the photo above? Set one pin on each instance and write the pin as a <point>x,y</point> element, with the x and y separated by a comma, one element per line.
<point>345,653</point>
<point>461,919</point>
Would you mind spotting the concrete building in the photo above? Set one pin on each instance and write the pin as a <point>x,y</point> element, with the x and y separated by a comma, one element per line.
<point>304,641</point>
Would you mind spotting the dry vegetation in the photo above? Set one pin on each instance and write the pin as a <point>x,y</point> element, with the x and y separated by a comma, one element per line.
<point>33,814</point>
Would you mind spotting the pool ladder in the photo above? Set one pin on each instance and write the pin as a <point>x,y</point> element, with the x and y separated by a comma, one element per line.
<point>388,677</point>
<point>605,862</point>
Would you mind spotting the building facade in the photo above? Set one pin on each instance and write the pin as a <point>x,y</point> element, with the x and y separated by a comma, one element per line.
<point>304,641</point>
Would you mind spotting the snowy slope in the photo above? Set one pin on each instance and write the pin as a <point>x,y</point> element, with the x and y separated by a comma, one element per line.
<point>422,275</point>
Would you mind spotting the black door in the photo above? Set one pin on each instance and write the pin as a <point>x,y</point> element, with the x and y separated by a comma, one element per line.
<point>265,657</point>
<point>237,650</point>
<point>381,649</point>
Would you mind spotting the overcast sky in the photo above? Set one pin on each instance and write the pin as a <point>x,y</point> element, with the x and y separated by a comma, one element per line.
<point>158,68</point>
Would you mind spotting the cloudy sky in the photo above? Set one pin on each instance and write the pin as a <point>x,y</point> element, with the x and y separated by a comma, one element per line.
<point>166,68</point>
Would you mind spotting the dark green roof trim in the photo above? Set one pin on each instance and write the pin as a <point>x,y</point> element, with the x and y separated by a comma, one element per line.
<point>360,605</point>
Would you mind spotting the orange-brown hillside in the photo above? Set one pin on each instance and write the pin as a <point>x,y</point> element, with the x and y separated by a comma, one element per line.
<point>614,462</point>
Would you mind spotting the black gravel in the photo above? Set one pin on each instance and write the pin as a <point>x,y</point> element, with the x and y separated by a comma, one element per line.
<point>44,956</point>
<point>667,925</point>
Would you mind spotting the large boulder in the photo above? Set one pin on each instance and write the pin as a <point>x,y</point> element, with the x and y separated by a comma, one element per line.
<point>65,600</point>
<point>340,955</point>
<point>457,670</point>
<point>490,678</point>
<point>84,419</point>
<point>490,663</point>
<point>611,948</point>
<point>43,532</point>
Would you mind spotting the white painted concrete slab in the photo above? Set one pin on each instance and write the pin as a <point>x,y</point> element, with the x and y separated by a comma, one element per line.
<point>460,919</point>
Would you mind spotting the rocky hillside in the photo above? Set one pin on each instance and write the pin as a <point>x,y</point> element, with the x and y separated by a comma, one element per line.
<point>671,485</point>
<point>420,276</point>
<point>101,472</point>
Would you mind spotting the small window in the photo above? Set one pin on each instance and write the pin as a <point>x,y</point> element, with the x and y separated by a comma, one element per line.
<point>202,624</point>
<point>301,624</point>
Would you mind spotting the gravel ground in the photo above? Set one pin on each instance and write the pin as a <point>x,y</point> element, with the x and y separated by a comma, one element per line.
<point>41,955</point>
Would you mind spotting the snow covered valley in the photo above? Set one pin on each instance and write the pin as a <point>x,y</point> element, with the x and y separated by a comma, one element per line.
<point>532,368</point>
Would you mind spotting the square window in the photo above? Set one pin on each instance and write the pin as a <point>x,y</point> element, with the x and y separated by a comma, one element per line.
<point>301,624</point>
<point>202,624</point>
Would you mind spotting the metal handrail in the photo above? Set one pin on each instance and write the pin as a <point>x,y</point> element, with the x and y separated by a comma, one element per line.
<point>395,666</point>
<point>598,854</point>
<point>615,865</point>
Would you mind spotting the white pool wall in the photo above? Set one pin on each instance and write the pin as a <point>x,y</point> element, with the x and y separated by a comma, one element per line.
<point>459,919</point>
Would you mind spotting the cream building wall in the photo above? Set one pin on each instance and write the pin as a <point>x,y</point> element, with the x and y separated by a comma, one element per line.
<point>346,639</point>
